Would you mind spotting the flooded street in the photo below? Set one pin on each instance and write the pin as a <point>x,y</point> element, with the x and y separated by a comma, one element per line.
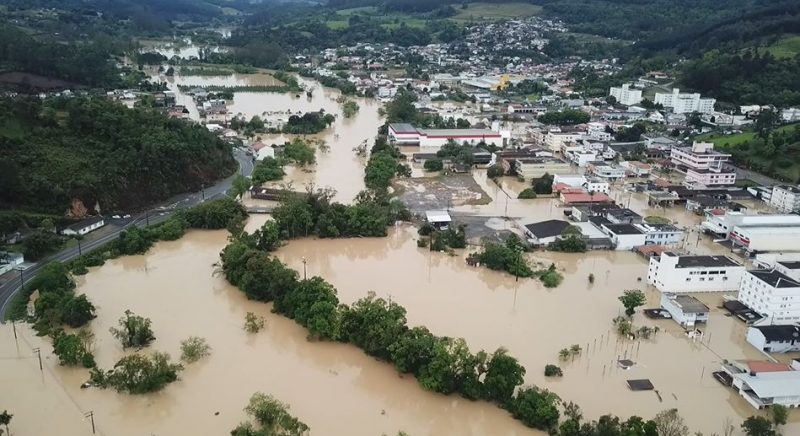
<point>338,165</point>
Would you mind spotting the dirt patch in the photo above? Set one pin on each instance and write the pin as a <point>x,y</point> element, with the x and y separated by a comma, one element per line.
<point>424,193</point>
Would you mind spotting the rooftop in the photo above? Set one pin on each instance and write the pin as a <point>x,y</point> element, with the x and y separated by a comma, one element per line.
<point>790,264</point>
<point>773,384</point>
<point>437,216</point>
<point>85,223</point>
<point>703,261</point>
<point>775,279</point>
<point>688,304</point>
<point>459,132</point>
<point>403,128</point>
<point>585,198</point>
<point>779,333</point>
<point>623,229</point>
<point>547,229</point>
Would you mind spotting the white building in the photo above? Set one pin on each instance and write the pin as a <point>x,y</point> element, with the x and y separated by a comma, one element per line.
<point>671,272</point>
<point>556,140</point>
<point>536,167</point>
<point>684,309</point>
<point>684,103</point>
<point>722,223</point>
<point>607,172</point>
<point>785,198</point>
<point>625,94</point>
<point>545,232</point>
<point>763,384</point>
<point>772,294</point>
<point>624,236</point>
<point>703,165</point>
<point>84,227</point>
<point>438,218</point>
<point>774,338</point>
<point>406,134</point>
<point>791,114</point>
<point>661,234</point>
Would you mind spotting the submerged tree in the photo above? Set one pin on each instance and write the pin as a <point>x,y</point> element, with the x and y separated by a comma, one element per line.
<point>631,299</point>
<point>133,331</point>
<point>272,418</point>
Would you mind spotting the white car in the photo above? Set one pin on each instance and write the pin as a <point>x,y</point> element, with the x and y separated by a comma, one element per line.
<point>116,217</point>
<point>126,216</point>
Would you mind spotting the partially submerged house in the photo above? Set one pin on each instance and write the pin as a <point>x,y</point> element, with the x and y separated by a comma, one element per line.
<point>684,309</point>
<point>440,219</point>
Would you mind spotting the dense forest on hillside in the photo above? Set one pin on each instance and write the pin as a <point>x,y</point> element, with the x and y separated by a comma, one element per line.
<point>750,77</point>
<point>100,152</point>
<point>88,63</point>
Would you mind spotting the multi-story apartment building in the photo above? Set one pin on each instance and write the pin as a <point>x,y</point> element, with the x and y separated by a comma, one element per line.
<point>625,94</point>
<point>671,272</point>
<point>772,294</point>
<point>704,167</point>
<point>684,103</point>
<point>785,198</point>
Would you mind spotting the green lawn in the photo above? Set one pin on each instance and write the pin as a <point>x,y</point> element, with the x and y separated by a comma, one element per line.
<point>368,10</point>
<point>736,139</point>
<point>496,11</point>
<point>787,47</point>
<point>338,24</point>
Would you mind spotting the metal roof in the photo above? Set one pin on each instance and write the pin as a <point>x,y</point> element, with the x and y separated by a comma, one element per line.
<point>437,216</point>
<point>773,384</point>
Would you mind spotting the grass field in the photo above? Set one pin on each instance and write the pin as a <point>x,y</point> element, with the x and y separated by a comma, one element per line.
<point>495,11</point>
<point>730,140</point>
<point>787,47</point>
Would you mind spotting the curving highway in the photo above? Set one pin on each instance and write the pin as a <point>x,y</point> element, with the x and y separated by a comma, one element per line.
<point>156,214</point>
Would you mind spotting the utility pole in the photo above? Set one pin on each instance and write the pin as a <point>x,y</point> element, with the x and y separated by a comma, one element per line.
<point>203,191</point>
<point>90,415</point>
<point>14,327</point>
<point>304,268</point>
<point>80,252</point>
<point>147,216</point>
<point>21,277</point>
<point>38,352</point>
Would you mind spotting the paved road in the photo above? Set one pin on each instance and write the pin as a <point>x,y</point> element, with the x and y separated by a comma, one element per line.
<point>154,215</point>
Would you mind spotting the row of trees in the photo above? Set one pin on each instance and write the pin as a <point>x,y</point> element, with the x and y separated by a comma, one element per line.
<point>440,364</point>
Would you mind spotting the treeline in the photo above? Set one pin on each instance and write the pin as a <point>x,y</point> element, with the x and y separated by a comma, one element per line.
<point>85,63</point>
<point>440,364</point>
<point>90,152</point>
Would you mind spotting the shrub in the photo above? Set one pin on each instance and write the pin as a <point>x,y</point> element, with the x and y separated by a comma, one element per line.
<point>194,349</point>
<point>552,371</point>
<point>433,165</point>
<point>527,194</point>
<point>253,323</point>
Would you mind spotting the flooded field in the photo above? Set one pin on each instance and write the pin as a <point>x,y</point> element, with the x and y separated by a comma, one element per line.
<point>337,389</point>
<point>334,388</point>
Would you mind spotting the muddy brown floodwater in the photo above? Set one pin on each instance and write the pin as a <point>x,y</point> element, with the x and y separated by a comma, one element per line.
<point>335,388</point>
<point>338,167</point>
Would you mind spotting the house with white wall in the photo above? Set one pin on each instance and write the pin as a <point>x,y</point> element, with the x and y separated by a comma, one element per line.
<point>774,338</point>
<point>671,272</point>
<point>85,226</point>
<point>763,384</point>
<point>684,309</point>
